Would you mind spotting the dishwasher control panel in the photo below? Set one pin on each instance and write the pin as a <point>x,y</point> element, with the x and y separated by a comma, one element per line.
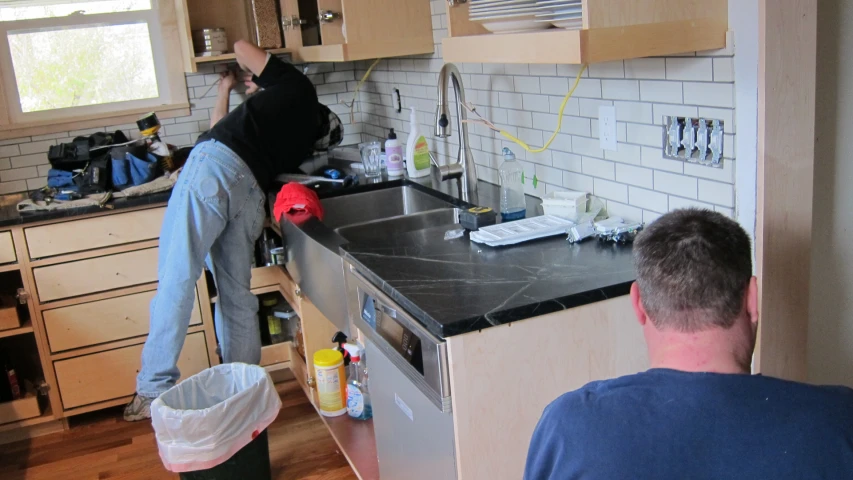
<point>381,319</point>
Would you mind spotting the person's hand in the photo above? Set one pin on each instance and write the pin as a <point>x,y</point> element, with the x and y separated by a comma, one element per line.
<point>227,82</point>
<point>251,87</point>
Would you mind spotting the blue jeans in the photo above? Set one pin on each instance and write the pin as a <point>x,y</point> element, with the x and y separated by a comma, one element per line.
<point>215,214</point>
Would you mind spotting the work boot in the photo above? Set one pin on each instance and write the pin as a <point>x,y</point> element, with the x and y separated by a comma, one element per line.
<point>138,409</point>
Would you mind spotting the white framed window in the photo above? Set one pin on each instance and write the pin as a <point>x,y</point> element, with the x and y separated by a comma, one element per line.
<point>62,60</point>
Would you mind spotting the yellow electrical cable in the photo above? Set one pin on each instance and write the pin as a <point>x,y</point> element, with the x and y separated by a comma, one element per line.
<point>358,87</point>
<point>559,120</point>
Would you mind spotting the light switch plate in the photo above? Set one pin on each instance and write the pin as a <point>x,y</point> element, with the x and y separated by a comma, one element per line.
<point>607,128</point>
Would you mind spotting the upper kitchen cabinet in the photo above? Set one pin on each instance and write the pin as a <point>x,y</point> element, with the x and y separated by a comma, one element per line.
<point>598,31</point>
<point>311,30</point>
<point>348,30</point>
<point>253,20</point>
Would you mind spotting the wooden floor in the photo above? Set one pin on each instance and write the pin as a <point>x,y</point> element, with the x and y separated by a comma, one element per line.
<point>102,446</point>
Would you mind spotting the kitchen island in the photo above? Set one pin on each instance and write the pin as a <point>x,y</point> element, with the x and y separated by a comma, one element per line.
<point>506,330</point>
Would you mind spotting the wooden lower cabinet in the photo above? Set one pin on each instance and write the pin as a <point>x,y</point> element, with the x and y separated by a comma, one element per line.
<point>98,274</point>
<point>102,321</point>
<point>7,248</point>
<point>112,374</point>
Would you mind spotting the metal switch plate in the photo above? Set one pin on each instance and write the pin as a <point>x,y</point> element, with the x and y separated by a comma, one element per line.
<point>697,140</point>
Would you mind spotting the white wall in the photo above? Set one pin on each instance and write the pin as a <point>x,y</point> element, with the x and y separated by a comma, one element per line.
<point>830,346</point>
<point>636,182</point>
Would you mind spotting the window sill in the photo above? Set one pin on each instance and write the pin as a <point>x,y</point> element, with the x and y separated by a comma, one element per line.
<point>20,130</point>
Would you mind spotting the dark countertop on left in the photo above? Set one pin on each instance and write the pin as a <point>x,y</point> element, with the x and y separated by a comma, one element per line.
<point>10,217</point>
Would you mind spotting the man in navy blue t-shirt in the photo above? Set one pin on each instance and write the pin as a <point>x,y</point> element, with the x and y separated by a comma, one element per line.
<point>697,413</point>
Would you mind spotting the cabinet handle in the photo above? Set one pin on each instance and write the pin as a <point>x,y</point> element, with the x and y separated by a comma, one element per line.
<point>311,383</point>
<point>22,296</point>
<point>328,16</point>
<point>454,3</point>
<point>298,293</point>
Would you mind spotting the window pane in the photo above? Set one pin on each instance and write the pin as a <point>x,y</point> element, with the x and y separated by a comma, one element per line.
<point>83,66</point>
<point>55,8</point>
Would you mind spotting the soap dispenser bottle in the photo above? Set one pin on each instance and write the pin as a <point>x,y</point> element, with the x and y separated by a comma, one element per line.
<point>513,206</point>
<point>394,155</point>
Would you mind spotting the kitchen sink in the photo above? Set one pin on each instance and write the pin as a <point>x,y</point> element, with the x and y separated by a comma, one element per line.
<point>384,231</point>
<point>372,215</point>
<point>365,207</point>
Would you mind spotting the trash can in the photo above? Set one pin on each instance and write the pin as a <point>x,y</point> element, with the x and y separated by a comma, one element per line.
<point>213,424</point>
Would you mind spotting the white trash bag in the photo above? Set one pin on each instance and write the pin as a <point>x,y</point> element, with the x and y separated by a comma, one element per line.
<point>206,419</point>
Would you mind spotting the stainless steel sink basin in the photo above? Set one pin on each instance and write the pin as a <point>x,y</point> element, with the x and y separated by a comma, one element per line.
<point>364,207</point>
<point>383,232</point>
<point>376,216</point>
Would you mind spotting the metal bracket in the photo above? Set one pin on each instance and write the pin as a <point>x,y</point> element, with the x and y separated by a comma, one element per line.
<point>328,16</point>
<point>454,3</point>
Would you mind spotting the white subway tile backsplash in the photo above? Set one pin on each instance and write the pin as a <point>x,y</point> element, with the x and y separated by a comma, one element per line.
<point>6,164</point>
<point>724,69</point>
<point>724,114</point>
<point>15,141</point>
<point>607,70</point>
<point>648,135</point>
<point>676,203</point>
<point>620,89</point>
<point>567,161</point>
<point>717,193</point>
<point>543,69</point>
<point>574,125</point>
<point>709,94</point>
<point>571,71</point>
<point>588,147</point>
<point>675,184</point>
<point>587,87</point>
<point>516,69</point>
<point>647,199</point>
<point>577,182</point>
<point>627,212</point>
<point>527,84</point>
<point>9,150</point>
<point>554,85</point>
<point>646,68</point>
<point>650,217</point>
<point>690,68</point>
<point>598,168</point>
<point>18,174</point>
<point>589,107</point>
<point>36,147</point>
<point>551,175</point>
<point>502,83</point>
<point>635,112</point>
<point>610,190</point>
<point>29,160</point>
<point>625,153</point>
<point>12,187</point>
<point>641,177</point>
<point>536,103</point>
<point>725,211</point>
<point>724,174</point>
<point>519,118</point>
<point>36,183</point>
<point>653,158</point>
<point>664,92</point>
<point>511,100</point>
<point>661,110</point>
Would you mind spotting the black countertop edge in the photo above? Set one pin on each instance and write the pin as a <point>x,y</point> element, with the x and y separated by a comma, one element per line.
<point>10,217</point>
<point>502,317</point>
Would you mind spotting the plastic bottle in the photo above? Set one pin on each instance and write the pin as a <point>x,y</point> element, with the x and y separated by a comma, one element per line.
<point>394,155</point>
<point>358,396</point>
<point>513,206</point>
<point>330,382</point>
<point>417,150</point>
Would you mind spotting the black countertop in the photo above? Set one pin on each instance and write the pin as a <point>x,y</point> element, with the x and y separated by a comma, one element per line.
<point>9,215</point>
<point>457,286</point>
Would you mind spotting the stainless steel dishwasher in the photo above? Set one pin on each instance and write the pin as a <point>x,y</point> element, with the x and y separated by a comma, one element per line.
<point>409,386</point>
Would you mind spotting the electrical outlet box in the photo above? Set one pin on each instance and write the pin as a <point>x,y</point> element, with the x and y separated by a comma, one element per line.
<point>698,140</point>
<point>607,128</point>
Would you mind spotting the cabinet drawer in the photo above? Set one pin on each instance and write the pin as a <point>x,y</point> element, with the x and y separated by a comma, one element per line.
<point>96,274</point>
<point>103,321</point>
<point>112,374</point>
<point>91,233</point>
<point>7,248</point>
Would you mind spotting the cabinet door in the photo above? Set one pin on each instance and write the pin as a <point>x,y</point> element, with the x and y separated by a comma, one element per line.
<point>331,32</point>
<point>317,333</point>
<point>292,33</point>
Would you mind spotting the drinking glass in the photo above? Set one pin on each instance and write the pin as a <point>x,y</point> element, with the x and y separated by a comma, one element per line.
<point>370,157</point>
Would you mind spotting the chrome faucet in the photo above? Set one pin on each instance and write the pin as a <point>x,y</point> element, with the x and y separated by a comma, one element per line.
<point>464,170</point>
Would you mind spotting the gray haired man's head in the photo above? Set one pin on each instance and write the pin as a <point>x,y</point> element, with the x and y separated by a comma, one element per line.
<point>693,270</point>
